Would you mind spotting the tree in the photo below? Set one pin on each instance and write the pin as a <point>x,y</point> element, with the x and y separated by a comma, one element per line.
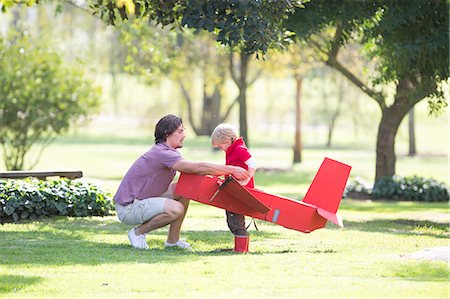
<point>411,134</point>
<point>189,58</point>
<point>251,26</point>
<point>199,60</point>
<point>297,60</point>
<point>239,71</point>
<point>39,98</point>
<point>245,27</point>
<point>406,44</point>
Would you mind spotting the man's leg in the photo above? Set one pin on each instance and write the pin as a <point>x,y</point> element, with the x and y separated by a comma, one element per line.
<point>175,227</point>
<point>173,210</point>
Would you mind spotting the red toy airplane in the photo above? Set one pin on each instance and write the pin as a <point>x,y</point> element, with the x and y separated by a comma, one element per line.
<point>319,205</point>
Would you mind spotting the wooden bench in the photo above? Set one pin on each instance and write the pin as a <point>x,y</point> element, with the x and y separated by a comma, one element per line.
<point>42,175</point>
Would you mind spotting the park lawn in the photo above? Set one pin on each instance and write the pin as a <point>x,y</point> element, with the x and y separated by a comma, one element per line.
<point>91,257</point>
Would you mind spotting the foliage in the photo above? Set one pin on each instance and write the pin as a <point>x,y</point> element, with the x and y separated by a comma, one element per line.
<point>405,45</point>
<point>404,40</point>
<point>358,188</point>
<point>410,188</point>
<point>8,3</point>
<point>253,26</point>
<point>413,188</point>
<point>39,96</point>
<point>150,51</point>
<point>31,199</point>
<point>414,46</point>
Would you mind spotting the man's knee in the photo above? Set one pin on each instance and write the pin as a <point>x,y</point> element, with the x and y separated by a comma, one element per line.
<point>174,208</point>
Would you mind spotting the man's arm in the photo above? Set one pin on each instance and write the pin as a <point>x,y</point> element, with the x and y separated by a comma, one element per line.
<point>204,168</point>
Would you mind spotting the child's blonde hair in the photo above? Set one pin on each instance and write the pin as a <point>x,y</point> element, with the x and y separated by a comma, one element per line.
<point>222,132</point>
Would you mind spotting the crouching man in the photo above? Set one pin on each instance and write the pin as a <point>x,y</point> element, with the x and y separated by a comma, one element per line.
<point>145,197</point>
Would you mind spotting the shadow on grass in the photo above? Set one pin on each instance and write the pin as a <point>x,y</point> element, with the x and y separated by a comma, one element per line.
<point>69,241</point>
<point>402,227</point>
<point>15,283</point>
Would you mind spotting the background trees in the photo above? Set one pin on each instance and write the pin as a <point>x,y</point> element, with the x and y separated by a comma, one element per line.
<point>407,44</point>
<point>377,29</point>
<point>252,26</point>
<point>39,97</point>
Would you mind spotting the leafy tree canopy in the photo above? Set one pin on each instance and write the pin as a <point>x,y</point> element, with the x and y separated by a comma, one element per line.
<point>253,26</point>
<point>406,40</point>
<point>250,25</point>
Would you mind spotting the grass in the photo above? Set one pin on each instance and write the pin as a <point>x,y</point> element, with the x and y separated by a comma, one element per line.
<point>91,258</point>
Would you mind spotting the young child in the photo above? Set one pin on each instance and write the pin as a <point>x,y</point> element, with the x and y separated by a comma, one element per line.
<point>225,138</point>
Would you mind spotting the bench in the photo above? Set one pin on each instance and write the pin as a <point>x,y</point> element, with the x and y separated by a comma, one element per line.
<point>42,175</point>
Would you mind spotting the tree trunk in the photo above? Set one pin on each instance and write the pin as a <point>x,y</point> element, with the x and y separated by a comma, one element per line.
<point>241,81</point>
<point>412,135</point>
<point>298,139</point>
<point>114,93</point>
<point>210,115</point>
<point>243,97</point>
<point>387,130</point>
<point>335,114</point>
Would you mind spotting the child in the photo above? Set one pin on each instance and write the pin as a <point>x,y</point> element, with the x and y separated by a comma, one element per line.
<point>225,138</point>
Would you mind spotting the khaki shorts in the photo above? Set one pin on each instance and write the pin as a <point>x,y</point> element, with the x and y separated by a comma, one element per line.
<point>142,210</point>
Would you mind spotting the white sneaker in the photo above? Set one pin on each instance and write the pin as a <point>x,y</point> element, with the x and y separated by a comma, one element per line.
<point>180,244</point>
<point>137,241</point>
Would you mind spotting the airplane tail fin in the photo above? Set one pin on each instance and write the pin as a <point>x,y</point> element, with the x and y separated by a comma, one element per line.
<point>327,188</point>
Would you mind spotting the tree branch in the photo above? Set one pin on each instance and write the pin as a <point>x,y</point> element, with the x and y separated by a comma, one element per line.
<point>257,75</point>
<point>229,110</point>
<point>232,70</point>
<point>333,62</point>
<point>189,104</point>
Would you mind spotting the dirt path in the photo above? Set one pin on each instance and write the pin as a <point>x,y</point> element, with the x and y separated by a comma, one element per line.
<point>434,253</point>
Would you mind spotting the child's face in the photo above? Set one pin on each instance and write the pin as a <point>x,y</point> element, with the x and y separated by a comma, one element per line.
<point>223,145</point>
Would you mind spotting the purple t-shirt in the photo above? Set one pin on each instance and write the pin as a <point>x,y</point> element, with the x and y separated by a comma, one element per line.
<point>149,176</point>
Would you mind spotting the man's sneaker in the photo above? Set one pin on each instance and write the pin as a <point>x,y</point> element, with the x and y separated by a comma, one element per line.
<point>180,244</point>
<point>137,241</point>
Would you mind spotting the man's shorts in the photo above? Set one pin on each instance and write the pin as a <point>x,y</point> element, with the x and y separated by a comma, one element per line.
<point>142,210</point>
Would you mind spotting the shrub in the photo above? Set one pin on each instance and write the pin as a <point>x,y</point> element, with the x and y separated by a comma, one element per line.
<point>358,188</point>
<point>410,188</point>
<point>41,97</point>
<point>32,199</point>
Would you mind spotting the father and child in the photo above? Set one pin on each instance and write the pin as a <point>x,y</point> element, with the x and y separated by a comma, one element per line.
<point>146,199</point>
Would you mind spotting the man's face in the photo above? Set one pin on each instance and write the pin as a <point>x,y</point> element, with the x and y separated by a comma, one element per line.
<point>175,139</point>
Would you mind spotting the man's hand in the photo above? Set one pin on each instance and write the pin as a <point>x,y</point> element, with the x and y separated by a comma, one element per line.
<point>239,173</point>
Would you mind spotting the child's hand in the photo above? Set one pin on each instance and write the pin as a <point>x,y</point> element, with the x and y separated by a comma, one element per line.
<point>244,182</point>
<point>239,173</point>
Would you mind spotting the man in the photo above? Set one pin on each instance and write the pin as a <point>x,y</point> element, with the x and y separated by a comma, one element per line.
<point>146,194</point>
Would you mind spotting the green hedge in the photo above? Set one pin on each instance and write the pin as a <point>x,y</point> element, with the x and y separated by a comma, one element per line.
<point>410,188</point>
<point>400,188</point>
<point>33,199</point>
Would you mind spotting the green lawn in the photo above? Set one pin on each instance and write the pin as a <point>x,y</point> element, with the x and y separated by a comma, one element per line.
<point>92,258</point>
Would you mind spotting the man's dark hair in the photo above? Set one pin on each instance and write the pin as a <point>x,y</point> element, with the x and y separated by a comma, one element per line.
<point>166,126</point>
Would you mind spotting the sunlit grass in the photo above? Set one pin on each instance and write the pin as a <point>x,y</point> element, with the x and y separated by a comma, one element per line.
<point>92,258</point>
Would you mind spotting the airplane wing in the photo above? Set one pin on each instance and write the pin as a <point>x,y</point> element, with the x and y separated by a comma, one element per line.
<point>237,192</point>
<point>320,204</point>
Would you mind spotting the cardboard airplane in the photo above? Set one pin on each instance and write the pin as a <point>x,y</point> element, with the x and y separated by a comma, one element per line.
<point>319,204</point>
